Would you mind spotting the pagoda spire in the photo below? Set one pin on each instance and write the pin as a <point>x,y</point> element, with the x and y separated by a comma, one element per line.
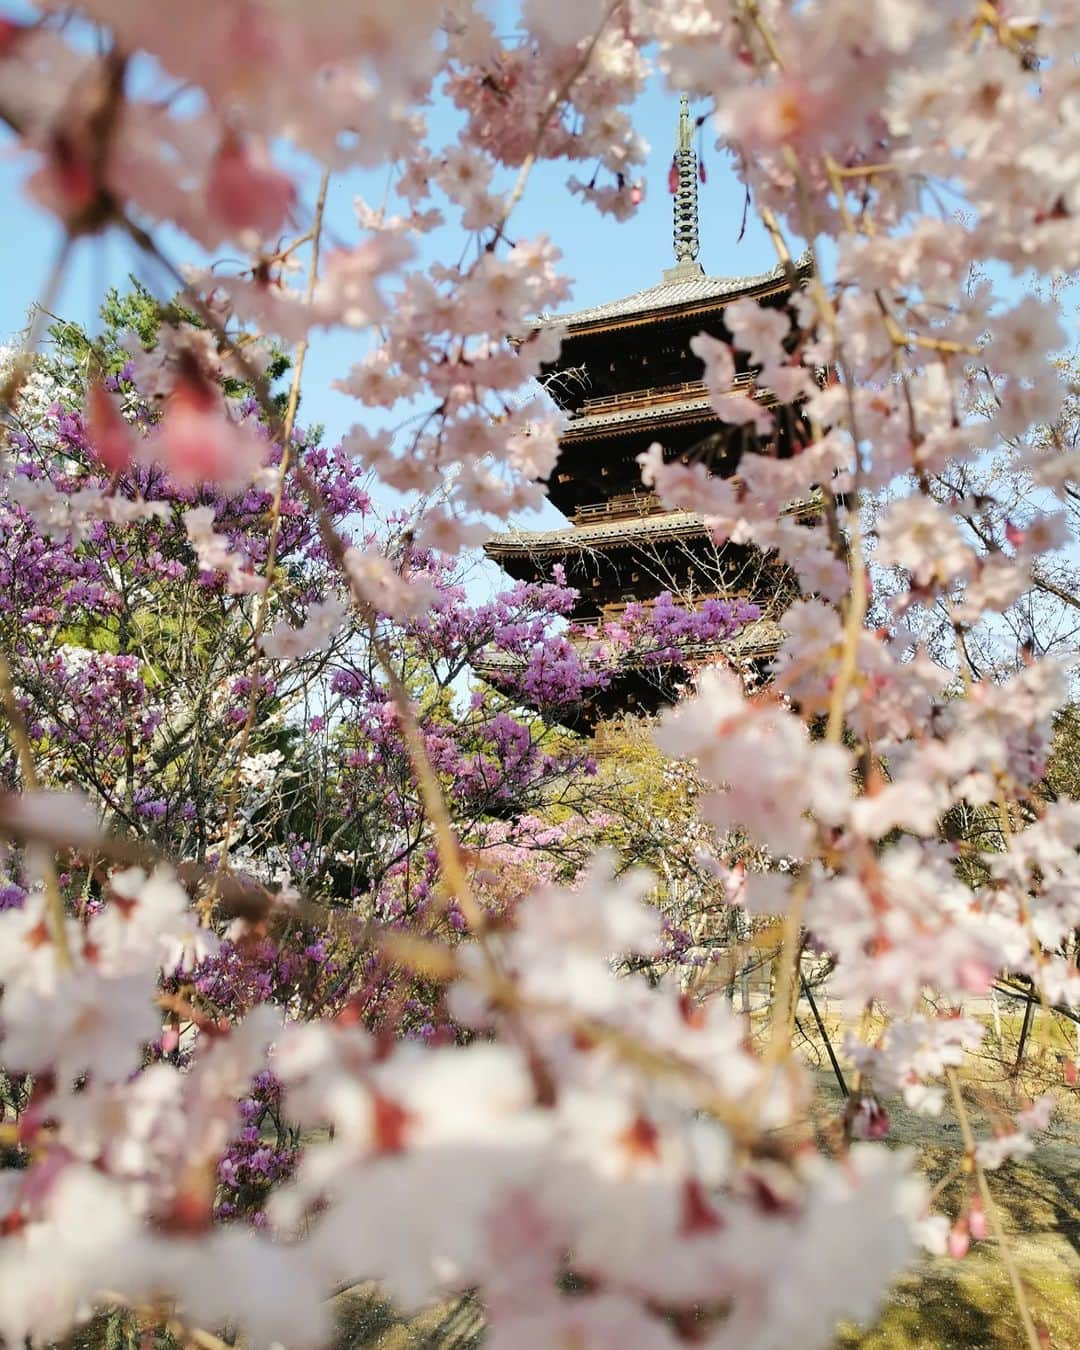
<point>684,173</point>
<point>686,194</point>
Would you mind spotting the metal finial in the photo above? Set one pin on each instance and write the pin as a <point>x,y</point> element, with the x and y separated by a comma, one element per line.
<point>686,190</point>
<point>685,137</point>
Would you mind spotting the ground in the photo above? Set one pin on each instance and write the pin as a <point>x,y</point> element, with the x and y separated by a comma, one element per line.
<point>945,1304</point>
<point>367,1320</point>
<point>942,1303</point>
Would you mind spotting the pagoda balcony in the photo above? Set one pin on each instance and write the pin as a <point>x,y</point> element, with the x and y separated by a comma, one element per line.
<point>624,506</point>
<point>597,534</point>
<point>656,396</point>
<point>660,405</point>
<point>614,610</point>
<point>638,684</point>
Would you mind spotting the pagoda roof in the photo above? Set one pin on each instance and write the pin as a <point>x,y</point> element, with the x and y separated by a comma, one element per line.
<point>683,288</point>
<point>616,532</point>
<point>756,640</point>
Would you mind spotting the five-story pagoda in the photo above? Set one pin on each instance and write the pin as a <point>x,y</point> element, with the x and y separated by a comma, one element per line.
<point>626,378</point>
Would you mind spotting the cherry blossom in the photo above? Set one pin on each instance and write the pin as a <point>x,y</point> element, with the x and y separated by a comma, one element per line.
<point>197,444</point>
<point>214,555</point>
<point>730,406</point>
<point>913,1050</point>
<point>244,193</point>
<point>1016,1143</point>
<point>322,622</point>
<point>760,757</point>
<point>917,535</point>
<point>324,942</point>
<point>758,331</point>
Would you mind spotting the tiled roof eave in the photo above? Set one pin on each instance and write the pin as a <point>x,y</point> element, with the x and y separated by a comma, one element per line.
<point>591,425</point>
<point>620,533</point>
<point>760,637</point>
<point>603,424</point>
<point>675,299</point>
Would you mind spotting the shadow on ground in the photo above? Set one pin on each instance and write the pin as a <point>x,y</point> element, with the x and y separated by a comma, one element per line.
<point>365,1319</point>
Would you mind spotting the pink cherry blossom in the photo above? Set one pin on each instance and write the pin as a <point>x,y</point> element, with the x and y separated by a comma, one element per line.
<point>244,192</point>
<point>198,442</point>
<point>309,917</point>
<point>758,331</point>
<point>919,536</point>
<point>110,435</point>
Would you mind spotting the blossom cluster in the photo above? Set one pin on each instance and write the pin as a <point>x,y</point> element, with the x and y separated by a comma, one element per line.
<point>522,1155</point>
<point>315,947</point>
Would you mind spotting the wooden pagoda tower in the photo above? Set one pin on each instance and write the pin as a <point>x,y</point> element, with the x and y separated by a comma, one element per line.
<point>626,378</point>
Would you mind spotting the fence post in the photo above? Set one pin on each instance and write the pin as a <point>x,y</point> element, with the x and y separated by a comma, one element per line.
<point>1024,1030</point>
<point>824,1034</point>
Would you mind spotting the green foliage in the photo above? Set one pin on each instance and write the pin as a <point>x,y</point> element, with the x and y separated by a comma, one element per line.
<point>978,830</point>
<point>77,357</point>
<point>1062,781</point>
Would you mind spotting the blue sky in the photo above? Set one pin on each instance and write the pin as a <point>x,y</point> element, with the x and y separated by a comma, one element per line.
<point>606,259</point>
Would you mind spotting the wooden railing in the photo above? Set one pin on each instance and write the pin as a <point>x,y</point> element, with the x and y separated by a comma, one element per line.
<point>614,609</point>
<point>633,505</point>
<point>636,398</point>
<point>655,396</point>
<point>625,505</point>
